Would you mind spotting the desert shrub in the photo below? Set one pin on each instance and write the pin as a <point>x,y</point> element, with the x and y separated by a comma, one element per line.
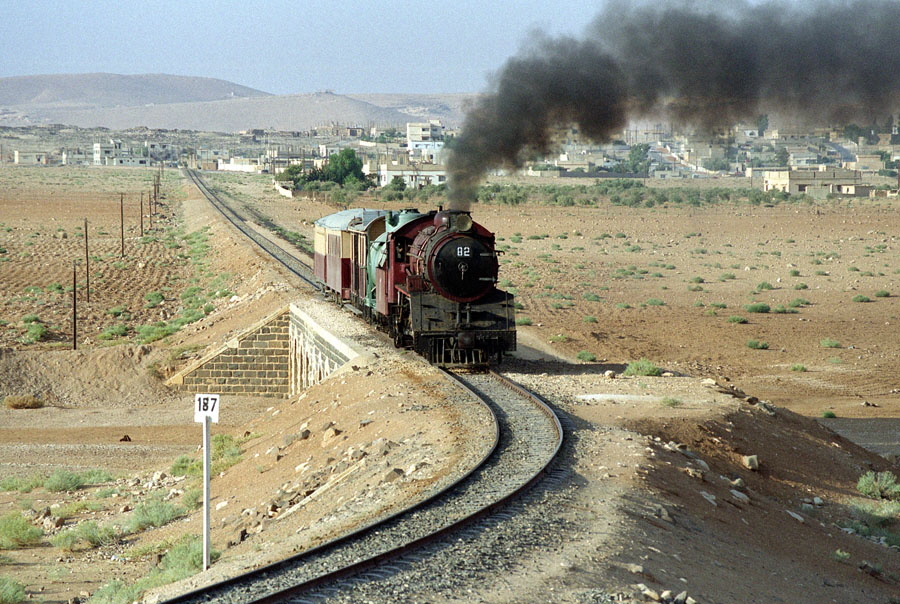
<point>757,345</point>
<point>23,485</point>
<point>784,310</point>
<point>25,401</point>
<point>642,367</point>
<point>113,331</point>
<point>35,332</point>
<point>181,561</point>
<point>655,302</point>
<point>89,533</point>
<point>117,311</point>
<point>757,307</point>
<point>737,319</point>
<point>11,591</point>
<point>882,293</point>
<point>592,297</point>
<point>718,305</point>
<point>799,286</point>
<point>153,513</point>
<point>156,331</point>
<point>558,338</point>
<point>586,356</point>
<point>623,305</point>
<point>879,485</point>
<point>153,299</point>
<point>31,318</point>
<point>185,465</point>
<point>192,498</point>
<point>523,321</point>
<point>727,277</point>
<point>798,367</point>
<point>829,343</point>
<point>16,531</point>
<point>589,319</point>
<point>828,414</point>
<point>765,285</point>
<point>63,480</point>
<point>861,298</point>
<point>669,401</point>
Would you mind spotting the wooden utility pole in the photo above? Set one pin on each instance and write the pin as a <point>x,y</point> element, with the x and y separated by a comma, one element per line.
<point>87,266</point>
<point>142,214</point>
<point>122,220</point>
<point>74,306</point>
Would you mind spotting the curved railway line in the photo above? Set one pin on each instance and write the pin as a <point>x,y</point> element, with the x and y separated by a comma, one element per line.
<point>291,262</point>
<point>529,438</point>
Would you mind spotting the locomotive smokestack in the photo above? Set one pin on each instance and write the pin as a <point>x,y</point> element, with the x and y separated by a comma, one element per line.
<point>703,65</point>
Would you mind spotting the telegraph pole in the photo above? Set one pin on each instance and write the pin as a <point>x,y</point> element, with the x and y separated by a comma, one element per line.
<point>87,266</point>
<point>122,220</point>
<point>74,305</point>
<point>142,214</point>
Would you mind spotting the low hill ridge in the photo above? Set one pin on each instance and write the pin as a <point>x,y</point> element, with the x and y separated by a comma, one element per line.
<point>111,90</point>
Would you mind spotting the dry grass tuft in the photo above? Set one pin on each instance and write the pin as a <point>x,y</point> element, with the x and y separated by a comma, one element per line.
<point>23,402</point>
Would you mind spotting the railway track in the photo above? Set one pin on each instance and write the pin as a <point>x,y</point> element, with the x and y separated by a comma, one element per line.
<point>291,262</point>
<point>530,436</point>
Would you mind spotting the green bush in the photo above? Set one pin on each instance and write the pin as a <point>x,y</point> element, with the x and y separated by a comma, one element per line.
<point>63,480</point>
<point>153,513</point>
<point>798,367</point>
<point>153,299</point>
<point>669,401</point>
<point>757,345</point>
<point>185,465</point>
<point>829,343</point>
<point>523,321</point>
<point>11,591</point>
<point>23,485</point>
<point>765,285</point>
<point>655,302</point>
<point>642,367</point>
<point>799,286</point>
<point>828,414</point>
<point>16,531</point>
<point>88,532</point>
<point>589,319</point>
<point>757,307</point>
<point>586,356</point>
<point>861,298</point>
<point>880,485</point>
<point>113,331</point>
<point>737,319</point>
<point>882,293</point>
<point>182,561</point>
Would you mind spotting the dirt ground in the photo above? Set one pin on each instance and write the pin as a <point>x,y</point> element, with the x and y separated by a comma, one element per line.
<point>619,283</point>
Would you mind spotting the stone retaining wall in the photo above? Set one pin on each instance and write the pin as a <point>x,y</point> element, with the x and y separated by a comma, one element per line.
<point>256,364</point>
<point>282,356</point>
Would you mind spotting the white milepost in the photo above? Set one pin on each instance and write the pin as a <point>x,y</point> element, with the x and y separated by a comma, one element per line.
<point>206,410</point>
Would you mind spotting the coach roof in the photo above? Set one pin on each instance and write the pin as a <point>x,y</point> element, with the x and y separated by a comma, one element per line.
<point>358,218</point>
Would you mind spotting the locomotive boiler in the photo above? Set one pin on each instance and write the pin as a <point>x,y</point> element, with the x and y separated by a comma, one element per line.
<point>428,279</point>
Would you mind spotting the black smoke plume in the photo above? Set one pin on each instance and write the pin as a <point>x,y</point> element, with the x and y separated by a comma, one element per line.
<point>701,64</point>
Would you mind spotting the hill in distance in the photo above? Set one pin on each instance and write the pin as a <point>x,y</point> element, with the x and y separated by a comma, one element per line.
<point>194,103</point>
<point>110,90</point>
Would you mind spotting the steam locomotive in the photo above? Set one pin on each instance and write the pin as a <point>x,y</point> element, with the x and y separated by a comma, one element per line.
<point>428,279</point>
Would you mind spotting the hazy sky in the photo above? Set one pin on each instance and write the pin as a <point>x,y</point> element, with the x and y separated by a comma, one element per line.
<point>284,46</point>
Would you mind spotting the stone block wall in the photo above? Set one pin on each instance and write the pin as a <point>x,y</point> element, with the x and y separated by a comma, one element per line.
<point>256,364</point>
